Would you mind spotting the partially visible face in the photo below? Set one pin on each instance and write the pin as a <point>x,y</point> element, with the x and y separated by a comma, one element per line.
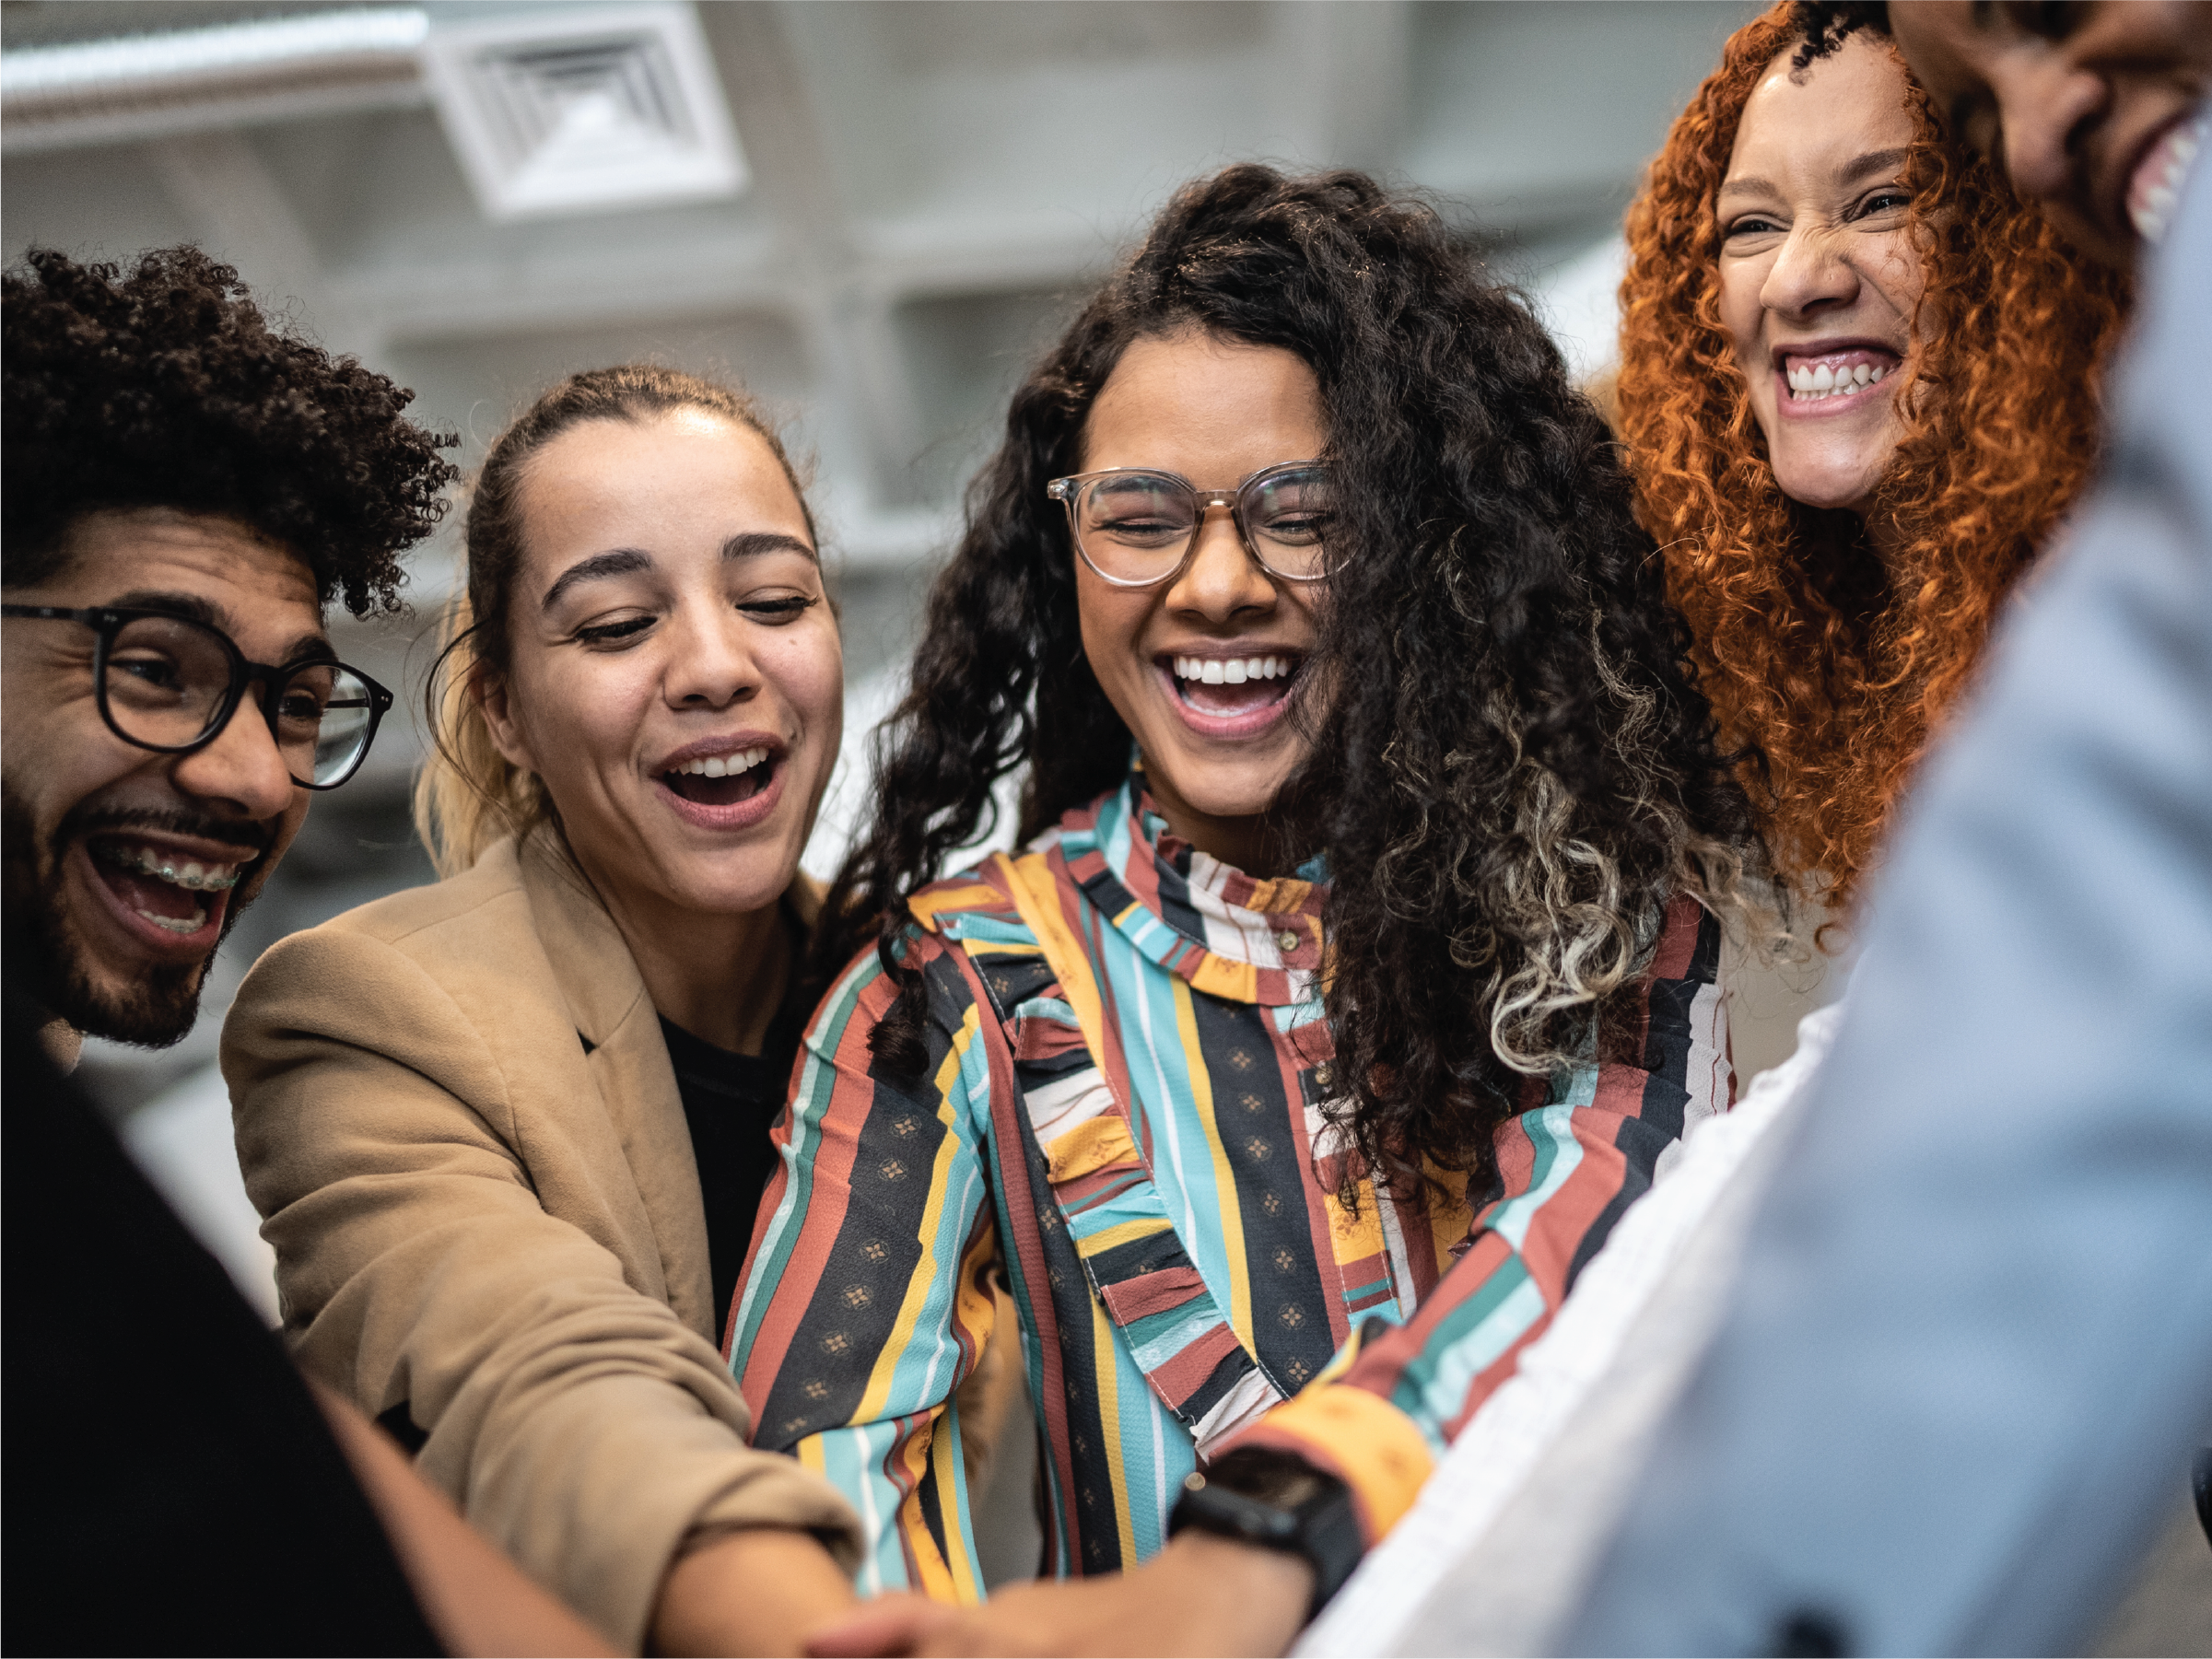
<point>95,828</point>
<point>1216,753</point>
<point>1818,277</point>
<point>676,679</point>
<point>2096,107</point>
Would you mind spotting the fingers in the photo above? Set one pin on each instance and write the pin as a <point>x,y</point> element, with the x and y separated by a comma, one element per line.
<point>890,1627</point>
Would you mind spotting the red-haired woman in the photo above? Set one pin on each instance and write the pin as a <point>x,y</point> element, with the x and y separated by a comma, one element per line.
<point>1858,385</point>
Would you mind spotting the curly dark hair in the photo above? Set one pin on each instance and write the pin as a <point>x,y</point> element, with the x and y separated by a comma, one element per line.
<point>1516,769</point>
<point>169,387</point>
<point>1822,26</point>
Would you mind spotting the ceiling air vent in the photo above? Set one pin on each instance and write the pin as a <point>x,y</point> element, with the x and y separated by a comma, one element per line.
<point>567,113</point>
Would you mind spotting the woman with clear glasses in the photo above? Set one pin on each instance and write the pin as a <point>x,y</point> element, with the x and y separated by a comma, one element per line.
<point>506,1130</point>
<point>1358,967</point>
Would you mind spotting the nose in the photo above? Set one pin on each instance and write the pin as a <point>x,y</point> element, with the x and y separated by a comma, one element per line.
<point>1810,274</point>
<point>2044,102</point>
<point>241,774</point>
<point>1221,579</point>
<point>710,665</point>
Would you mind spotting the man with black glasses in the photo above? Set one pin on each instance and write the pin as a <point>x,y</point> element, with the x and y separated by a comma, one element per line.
<point>186,489</point>
<point>186,493</point>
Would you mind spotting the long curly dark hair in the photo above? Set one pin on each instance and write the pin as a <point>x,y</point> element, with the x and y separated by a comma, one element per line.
<point>168,387</point>
<point>1516,769</point>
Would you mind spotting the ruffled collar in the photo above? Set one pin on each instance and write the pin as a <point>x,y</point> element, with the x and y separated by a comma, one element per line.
<point>1225,932</point>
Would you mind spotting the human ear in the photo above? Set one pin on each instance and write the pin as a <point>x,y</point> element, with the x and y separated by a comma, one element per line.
<point>488,692</point>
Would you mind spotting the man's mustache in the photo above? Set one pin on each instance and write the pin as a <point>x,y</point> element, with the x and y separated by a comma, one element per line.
<point>250,839</point>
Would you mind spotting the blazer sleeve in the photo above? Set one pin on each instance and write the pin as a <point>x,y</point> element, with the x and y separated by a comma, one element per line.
<point>1397,1395</point>
<point>576,1419</point>
<point>862,1309</point>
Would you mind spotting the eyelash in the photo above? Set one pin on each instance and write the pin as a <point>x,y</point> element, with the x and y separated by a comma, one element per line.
<point>773,612</point>
<point>1755,224</point>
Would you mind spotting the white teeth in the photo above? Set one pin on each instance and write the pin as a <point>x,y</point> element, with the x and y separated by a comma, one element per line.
<point>2151,214</point>
<point>190,874</point>
<point>1239,671</point>
<point>1810,385</point>
<point>724,766</point>
<point>178,924</point>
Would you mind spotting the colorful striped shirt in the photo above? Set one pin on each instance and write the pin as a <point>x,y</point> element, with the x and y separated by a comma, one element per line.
<point>1126,1059</point>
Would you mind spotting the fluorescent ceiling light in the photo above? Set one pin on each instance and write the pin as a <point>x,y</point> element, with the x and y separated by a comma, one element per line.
<point>192,79</point>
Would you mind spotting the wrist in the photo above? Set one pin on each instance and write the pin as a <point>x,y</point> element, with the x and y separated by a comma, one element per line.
<point>1273,1502</point>
<point>1229,1596</point>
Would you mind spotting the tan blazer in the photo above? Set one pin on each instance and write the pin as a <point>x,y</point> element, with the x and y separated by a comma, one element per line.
<point>458,1122</point>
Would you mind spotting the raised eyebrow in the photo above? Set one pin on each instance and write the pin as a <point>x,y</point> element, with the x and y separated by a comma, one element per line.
<point>759,544</point>
<point>618,561</point>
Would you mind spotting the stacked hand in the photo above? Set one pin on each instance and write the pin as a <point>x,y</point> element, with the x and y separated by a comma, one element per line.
<point>1200,1596</point>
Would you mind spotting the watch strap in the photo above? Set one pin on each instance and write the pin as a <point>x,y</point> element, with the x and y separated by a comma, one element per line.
<point>1322,1525</point>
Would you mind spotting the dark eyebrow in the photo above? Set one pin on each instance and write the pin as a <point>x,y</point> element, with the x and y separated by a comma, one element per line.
<point>308,647</point>
<point>759,544</point>
<point>1874,162</point>
<point>194,607</point>
<point>619,561</point>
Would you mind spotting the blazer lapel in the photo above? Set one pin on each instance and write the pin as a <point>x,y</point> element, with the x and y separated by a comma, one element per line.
<point>616,1024</point>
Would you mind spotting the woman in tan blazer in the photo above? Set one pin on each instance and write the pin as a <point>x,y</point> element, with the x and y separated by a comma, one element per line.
<point>456,1108</point>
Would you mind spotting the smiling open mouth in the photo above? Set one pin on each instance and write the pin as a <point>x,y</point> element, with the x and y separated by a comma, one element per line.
<point>1835,374</point>
<point>178,895</point>
<point>723,779</point>
<point>2154,189</point>
<point>1227,686</point>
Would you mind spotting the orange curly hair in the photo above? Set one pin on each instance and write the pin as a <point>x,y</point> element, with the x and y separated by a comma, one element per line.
<point>1829,667</point>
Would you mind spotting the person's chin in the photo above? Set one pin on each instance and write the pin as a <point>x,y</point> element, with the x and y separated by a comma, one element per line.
<point>1241,783</point>
<point>105,988</point>
<point>738,881</point>
<point>1846,487</point>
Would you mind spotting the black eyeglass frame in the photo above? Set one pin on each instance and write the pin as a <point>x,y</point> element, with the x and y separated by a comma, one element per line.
<point>107,621</point>
<point>1066,490</point>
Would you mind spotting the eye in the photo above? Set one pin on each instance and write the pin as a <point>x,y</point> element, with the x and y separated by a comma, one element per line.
<point>780,609</point>
<point>612,634</point>
<point>147,668</point>
<point>1751,224</point>
<point>1884,201</point>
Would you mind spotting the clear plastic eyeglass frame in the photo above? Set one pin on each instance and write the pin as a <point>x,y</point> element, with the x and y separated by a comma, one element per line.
<point>1069,493</point>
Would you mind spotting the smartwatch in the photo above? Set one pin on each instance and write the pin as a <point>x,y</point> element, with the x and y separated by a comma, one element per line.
<point>1277,1501</point>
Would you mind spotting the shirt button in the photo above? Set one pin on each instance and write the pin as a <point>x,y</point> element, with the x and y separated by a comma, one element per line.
<point>1287,941</point>
<point>1325,1076</point>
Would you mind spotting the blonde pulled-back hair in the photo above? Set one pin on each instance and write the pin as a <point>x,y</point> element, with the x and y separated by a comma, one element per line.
<point>468,794</point>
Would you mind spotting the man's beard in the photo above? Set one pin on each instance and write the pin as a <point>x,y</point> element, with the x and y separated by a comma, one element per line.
<point>48,962</point>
